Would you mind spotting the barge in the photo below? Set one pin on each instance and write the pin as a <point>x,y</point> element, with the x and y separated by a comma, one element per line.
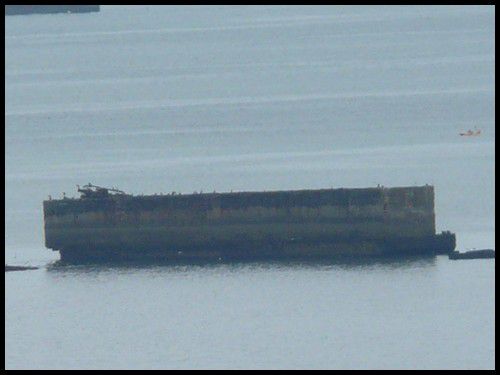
<point>109,225</point>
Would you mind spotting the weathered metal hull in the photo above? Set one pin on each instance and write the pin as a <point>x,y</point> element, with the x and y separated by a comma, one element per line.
<point>254,225</point>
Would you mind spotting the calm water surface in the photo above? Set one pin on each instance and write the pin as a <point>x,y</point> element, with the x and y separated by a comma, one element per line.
<point>251,98</point>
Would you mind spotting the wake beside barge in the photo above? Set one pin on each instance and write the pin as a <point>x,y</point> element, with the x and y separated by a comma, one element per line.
<point>102,226</point>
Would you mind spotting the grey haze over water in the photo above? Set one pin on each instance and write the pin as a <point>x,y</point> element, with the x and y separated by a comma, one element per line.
<point>160,99</point>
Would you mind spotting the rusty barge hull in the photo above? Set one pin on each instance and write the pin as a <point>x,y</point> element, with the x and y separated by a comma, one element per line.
<point>247,225</point>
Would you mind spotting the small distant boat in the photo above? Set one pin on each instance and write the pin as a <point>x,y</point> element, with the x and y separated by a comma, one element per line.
<point>474,254</point>
<point>471,133</point>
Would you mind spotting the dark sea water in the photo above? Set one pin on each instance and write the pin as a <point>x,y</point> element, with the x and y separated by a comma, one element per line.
<point>160,99</point>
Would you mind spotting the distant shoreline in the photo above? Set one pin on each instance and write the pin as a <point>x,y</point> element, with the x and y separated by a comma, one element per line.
<point>11,10</point>
<point>18,268</point>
